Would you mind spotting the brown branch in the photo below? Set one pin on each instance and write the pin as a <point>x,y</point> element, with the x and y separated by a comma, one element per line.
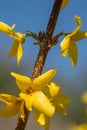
<point>46,44</point>
<point>43,51</point>
<point>20,123</point>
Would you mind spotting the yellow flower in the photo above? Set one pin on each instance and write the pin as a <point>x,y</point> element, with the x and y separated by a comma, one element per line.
<point>14,105</point>
<point>84,97</point>
<point>38,94</point>
<point>31,92</point>
<point>17,49</point>
<point>64,3</point>
<point>59,100</point>
<point>68,45</point>
<point>80,127</point>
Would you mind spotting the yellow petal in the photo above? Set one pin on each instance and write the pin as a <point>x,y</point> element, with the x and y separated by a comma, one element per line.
<point>78,19</point>
<point>79,23</point>
<point>54,89</point>
<point>19,36</point>
<point>73,53</point>
<point>28,100</point>
<point>6,28</point>
<point>65,45</point>
<point>23,82</point>
<point>43,80</point>
<point>61,102</point>
<point>21,112</point>
<point>42,119</point>
<point>80,35</point>
<point>14,49</point>
<point>42,103</point>
<point>19,53</point>
<point>13,105</point>
<point>64,3</point>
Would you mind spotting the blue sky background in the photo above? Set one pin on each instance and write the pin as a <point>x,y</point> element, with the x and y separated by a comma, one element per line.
<point>33,15</point>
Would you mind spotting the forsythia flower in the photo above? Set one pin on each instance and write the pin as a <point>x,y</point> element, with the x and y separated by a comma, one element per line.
<point>64,3</point>
<point>31,92</point>
<point>19,38</point>
<point>59,100</point>
<point>68,45</point>
<point>14,106</point>
<point>38,94</point>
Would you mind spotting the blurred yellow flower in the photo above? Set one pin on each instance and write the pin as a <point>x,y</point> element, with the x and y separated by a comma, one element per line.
<point>64,3</point>
<point>68,45</point>
<point>84,97</point>
<point>14,105</point>
<point>31,92</point>
<point>19,38</point>
<point>59,100</point>
<point>80,127</point>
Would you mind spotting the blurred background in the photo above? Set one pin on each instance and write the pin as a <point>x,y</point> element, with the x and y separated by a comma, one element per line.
<point>33,15</point>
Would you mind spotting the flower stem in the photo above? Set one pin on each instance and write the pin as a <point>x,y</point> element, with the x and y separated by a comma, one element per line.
<point>43,51</point>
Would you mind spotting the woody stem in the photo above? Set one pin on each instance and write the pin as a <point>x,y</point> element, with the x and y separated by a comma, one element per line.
<point>46,44</point>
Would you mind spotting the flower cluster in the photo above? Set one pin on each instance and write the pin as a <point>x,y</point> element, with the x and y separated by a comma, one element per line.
<point>39,94</point>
